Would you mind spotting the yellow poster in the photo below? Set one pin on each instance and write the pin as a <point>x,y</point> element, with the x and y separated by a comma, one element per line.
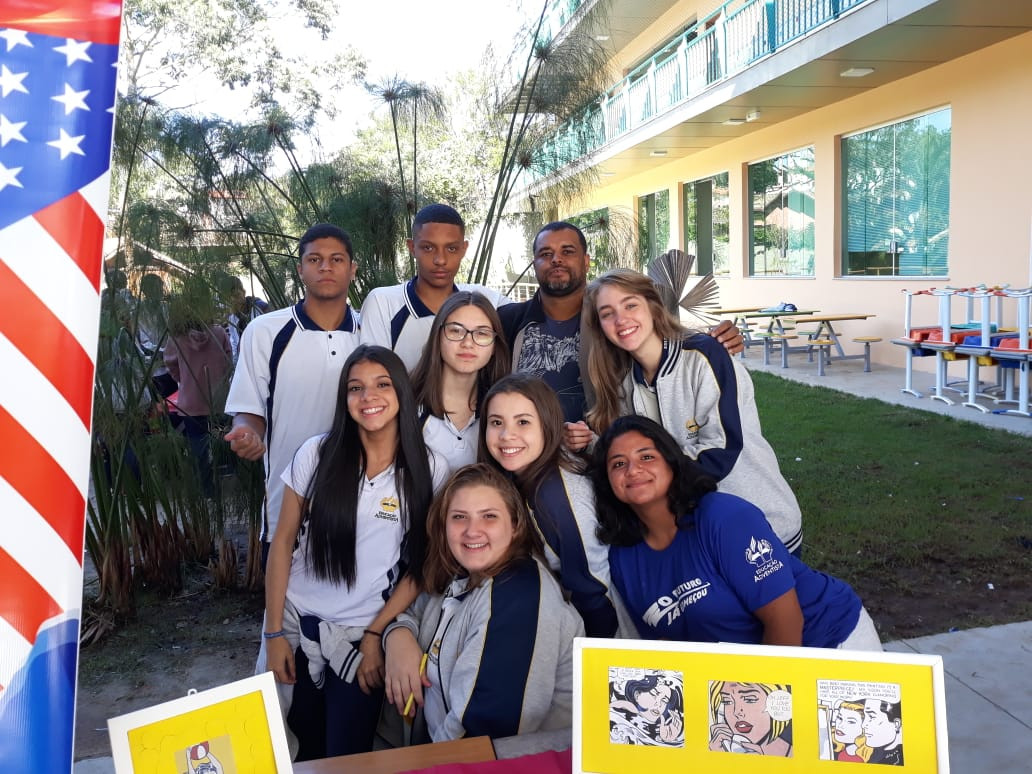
<point>659,706</point>
<point>233,729</point>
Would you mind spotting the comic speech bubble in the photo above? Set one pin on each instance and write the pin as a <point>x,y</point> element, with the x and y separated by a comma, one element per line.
<point>829,691</point>
<point>779,705</point>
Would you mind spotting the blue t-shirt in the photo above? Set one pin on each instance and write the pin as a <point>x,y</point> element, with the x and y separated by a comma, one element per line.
<point>706,584</point>
<point>551,350</point>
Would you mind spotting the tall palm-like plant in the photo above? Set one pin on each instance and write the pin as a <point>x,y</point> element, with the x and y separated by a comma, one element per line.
<point>426,101</point>
<point>558,77</point>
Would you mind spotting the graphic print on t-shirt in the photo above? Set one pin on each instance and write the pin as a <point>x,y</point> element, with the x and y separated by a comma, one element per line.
<point>670,606</point>
<point>388,510</point>
<point>550,350</point>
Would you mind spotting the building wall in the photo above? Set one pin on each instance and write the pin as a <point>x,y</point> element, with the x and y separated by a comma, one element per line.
<point>990,192</point>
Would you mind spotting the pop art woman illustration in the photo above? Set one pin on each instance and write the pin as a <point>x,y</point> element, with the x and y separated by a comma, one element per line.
<point>651,712</point>
<point>742,723</point>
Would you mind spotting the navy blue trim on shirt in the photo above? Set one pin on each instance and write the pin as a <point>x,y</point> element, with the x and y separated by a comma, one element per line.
<point>306,322</point>
<point>495,705</point>
<point>558,526</point>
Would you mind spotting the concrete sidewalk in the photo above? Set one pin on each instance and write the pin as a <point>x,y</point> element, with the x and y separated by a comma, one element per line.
<point>988,698</point>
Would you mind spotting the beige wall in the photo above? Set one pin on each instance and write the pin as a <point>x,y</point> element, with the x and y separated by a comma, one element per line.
<point>990,190</point>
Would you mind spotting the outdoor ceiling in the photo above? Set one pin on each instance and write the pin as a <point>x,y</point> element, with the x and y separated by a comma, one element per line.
<point>888,35</point>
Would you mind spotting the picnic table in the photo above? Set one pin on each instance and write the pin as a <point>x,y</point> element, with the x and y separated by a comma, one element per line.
<point>826,329</point>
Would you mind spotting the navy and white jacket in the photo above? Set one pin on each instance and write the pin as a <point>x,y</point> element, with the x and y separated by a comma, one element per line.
<point>564,513</point>
<point>706,401</point>
<point>500,656</point>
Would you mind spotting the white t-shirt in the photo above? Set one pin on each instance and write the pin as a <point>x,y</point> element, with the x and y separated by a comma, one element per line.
<point>395,317</point>
<point>380,529</point>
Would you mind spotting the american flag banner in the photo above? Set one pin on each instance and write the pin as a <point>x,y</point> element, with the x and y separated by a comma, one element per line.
<point>57,88</point>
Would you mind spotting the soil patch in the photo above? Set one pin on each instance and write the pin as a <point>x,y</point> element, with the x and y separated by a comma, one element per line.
<point>200,639</point>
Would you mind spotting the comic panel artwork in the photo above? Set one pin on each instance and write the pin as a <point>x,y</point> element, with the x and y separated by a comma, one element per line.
<point>750,718</point>
<point>646,706</point>
<point>860,722</point>
<point>213,756</point>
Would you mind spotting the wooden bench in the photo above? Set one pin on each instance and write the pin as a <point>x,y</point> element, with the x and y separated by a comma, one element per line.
<point>867,341</point>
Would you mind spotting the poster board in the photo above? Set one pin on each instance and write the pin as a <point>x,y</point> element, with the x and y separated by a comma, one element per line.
<point>670,706</point>
<point>232,729</point>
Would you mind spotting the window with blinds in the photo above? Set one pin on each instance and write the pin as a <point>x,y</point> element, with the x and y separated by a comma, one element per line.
<point>896,198</point>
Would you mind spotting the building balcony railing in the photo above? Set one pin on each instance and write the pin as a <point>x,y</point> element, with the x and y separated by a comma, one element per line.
<point>717,47</point>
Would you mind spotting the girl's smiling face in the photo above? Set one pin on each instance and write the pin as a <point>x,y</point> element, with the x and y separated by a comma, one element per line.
<point>479,528</point>
<point>513,434</point>
<point>372,401</point>
<point>625,318</point>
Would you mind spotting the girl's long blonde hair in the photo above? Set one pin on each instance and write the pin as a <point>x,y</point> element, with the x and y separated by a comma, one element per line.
<point>607,363</point>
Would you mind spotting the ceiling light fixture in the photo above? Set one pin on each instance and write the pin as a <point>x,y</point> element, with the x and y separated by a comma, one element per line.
<point>752,115</point>
<point>607,174</point>
<point>734,122</point>
<point>658,152</point>
<point>601,38</point>
<point>856,72</point>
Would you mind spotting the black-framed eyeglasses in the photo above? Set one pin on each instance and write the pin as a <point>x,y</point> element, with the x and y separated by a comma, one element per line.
<point>482,337</point>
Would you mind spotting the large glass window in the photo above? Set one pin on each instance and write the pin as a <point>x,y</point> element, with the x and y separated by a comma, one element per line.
<point>706,213</point>
<point>781,241</point>
<point>896,196</point>
<point>653,225</point>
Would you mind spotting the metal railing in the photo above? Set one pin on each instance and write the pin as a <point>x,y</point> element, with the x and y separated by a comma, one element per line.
<point>719,46</point>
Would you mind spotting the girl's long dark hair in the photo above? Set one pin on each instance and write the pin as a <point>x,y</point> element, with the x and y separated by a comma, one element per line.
<point>428,375</point>
<point>550,413</point>
<point>617,523</point>
<point>332,497</point>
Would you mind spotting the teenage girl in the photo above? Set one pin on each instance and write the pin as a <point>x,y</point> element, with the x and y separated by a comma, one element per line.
<point>643,362</point>
<point>465,354</point>
<point>493,623</point>
<point>522,433</point>
<point>353,516</point>
<point>698,565</point>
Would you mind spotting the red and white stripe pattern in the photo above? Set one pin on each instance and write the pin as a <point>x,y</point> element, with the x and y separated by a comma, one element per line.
<point>49,307</point>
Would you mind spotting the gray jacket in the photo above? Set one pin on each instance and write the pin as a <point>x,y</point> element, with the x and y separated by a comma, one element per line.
<point>500,655</point>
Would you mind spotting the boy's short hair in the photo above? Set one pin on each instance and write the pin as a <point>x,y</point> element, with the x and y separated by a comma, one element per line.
<point>438,213</point>
<point>322,231</point>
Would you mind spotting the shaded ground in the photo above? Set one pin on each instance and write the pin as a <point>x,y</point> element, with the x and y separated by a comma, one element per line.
<point>198,640</point>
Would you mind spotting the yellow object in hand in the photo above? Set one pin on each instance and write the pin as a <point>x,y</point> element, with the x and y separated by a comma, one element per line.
<point>412,696</point>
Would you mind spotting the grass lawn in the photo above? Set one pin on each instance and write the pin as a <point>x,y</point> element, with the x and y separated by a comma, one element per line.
<point>928,517</point>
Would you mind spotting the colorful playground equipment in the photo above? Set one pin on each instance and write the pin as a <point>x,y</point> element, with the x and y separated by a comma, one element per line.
<point>980,340</point>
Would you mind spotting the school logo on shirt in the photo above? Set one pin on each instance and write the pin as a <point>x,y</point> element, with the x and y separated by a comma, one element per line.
<point>760,554</point>
<point>388,509</point>
<point>692,429</point>
<point>669,607</point>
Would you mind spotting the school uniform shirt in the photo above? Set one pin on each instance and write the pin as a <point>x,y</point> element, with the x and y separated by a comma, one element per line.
<point>705,400</point>
<point>456,447</point>
<point>288,372</point>
<point>500,656</point>
<point>380,530</point>
<point>395,317</point>
<point>706,585</point>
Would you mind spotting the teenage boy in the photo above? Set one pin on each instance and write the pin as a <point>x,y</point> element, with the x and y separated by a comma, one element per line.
<point>284,390</point>
<point>399,317</point>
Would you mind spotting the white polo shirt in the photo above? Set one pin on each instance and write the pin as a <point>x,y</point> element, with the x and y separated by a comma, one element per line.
<point>379,531</point>
<point>288,373</point>
<point>395,317</point>
<point>456,447</point>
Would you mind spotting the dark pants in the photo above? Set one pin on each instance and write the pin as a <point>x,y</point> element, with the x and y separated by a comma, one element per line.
<point>337,719</point>
<point>198,437</point>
